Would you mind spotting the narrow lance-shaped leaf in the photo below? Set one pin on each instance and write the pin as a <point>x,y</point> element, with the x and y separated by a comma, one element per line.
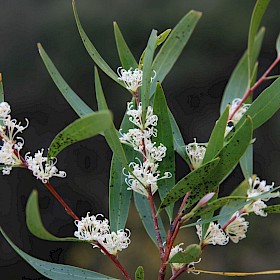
<point>256,18</point>
<point>139,273</point>
<point>111,134</point>
<point>119,196</point>
<point>34,222</point>
<point>278,45</point>
<point>239,80</point>
<point>246,162</point>
<point>217,137</point>
<point>143,207</point>
<point>264,106</point>
<point>80,129</point>
<point>219,203</point>
<point>198,183</point>
<point>160,39</point>
<point>147,73</point>
<point>78,105</point>
<point>57,271</point>
<point>273,209</point>
<point>165,137</point>
<point>126,57</point>
<point>96,57</point>
<point>231,153</point>
<point>179,144</point>
<point>173,46</point>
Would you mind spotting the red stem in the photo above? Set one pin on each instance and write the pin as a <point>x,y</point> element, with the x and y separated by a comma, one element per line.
<point>155,220</point>
<point>114,259</point>
<point>257,84</point>
<point>171,236</point>
<point>61,201</point>
<point>179,272</point>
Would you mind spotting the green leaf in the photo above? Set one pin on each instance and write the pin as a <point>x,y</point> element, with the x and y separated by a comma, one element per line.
<point>278,45</point>
<point>239,80</point>
<point>256,18</point>
<point>191,254</point>
<point>219,203</point>
<point>126,57</point>
<point>34,222</point>
<point>57,271</point>
<point>198,183</point>
<point>147,72</point>
<point>165,137</point>
<point>78,105</point>
<point>246,162</point>
<point>179,144</point>
<point>139,273</point>
<point>173,46</point>
<point>111,135</point>
<point>241,190</point>
<point>216,140</point>
<point>80,129</point>
<point>143,207</point>
<point>160,39</point>
<point>231,153</point>
<point>264,106</point>
<point>273,209</point>
<point>119,196</point>
<point>96,57</point>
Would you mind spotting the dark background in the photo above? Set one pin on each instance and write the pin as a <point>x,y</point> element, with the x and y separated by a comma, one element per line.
<point>194,89</point>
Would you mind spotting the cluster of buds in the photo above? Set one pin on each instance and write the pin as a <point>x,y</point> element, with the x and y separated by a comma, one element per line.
<point>11,143</point>
<point>97,232</point>
<point>145,174</point>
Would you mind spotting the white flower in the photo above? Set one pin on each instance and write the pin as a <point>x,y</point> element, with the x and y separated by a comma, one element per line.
<point>238,114</point>
<point>42,167</point>
<point>195,153</point>
<point>173,252</point>
<point>11,143</point>
<point>115,241</point>
<point>131,78</point>
<point>214,235</point>
<point>97,231</point>
<point>90,228</point>
<point>237,229</point>
<point>5,110</point>
<point>256,188</point>
<point>146,174</point>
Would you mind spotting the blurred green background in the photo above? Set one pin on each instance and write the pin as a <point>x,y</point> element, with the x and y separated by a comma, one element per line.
<point>194,89</point>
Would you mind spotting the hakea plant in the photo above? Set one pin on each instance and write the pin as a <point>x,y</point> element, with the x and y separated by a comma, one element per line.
<point>143,152</point>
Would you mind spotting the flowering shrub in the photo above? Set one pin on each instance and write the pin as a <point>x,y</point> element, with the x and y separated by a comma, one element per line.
<point>143,162</point>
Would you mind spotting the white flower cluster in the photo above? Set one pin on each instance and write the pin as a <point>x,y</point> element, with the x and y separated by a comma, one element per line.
<point>214,235</point>
<point>195,153</point>
<point>236,228</point>
<point>238,115</point>
<point>131,78</point>
<point>11,143</point>
<point>145,174</point>
<point>97,231</point>
<point>258,187</point>
<point>42,167</point>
